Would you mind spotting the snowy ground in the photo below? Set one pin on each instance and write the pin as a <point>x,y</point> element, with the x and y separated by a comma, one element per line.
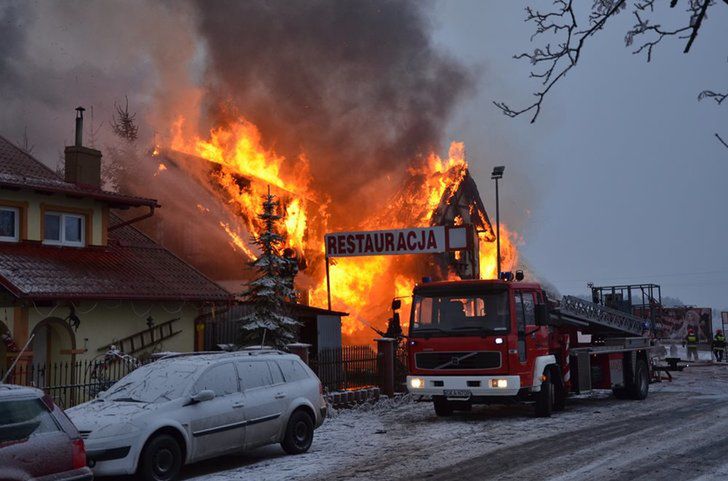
<point>679,432</point>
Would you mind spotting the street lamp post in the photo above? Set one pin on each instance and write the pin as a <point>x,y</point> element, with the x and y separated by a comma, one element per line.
<point>497,174</point>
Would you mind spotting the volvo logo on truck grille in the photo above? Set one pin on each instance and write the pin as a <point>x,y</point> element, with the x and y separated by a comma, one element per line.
<point>458,360</point>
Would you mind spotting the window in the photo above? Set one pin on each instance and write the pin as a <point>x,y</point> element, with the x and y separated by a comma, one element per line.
<point>9,224</point>
<point>23,419</point>
<point>64,229</point>
<point>254,374</point>
<point>443,315</point>
<point>293,370</point>
<point>276,373</point>
<point>521,325</point>
<point>529,309</point>
<point>222,380</point>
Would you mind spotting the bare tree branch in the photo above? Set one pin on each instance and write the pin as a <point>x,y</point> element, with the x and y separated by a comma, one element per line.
<point>709,94</point>
<point>721,140</point>
<point>642,27</point>
<point>696,24</point>
<point>559,60</point>
<point>552,62</point>
<point>26,145</point>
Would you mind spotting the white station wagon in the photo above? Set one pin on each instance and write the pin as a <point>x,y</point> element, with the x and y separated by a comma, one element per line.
<point>189,407</point>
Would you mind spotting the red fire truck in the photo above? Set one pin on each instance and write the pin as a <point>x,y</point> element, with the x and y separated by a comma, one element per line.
<point>497,341</point>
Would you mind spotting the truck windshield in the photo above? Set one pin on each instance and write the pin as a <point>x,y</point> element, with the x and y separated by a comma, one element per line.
<point>458,314</point>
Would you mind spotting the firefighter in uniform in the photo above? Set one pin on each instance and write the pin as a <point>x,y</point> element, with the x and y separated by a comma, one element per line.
<point>719,345</point>
<point>692,342</point>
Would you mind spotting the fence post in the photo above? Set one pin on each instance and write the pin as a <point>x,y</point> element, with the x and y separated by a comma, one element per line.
<point>300,349</point>
<point>385,365</point>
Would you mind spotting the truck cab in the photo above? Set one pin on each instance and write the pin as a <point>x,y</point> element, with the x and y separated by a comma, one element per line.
<point>479,341</point>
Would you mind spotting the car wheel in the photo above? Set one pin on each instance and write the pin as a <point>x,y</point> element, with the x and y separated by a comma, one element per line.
<point>161,459</point>
<point>299,433</point>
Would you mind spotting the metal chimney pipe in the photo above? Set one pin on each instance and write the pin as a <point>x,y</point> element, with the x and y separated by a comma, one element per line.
<point>79,126</point>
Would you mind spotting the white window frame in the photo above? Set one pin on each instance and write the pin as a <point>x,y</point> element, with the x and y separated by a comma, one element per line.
<point>16,237</point>
<point>62,230</point>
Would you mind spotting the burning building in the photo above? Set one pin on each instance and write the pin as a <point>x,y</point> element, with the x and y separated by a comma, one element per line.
<point>341,107</point>
<point>212,187</point>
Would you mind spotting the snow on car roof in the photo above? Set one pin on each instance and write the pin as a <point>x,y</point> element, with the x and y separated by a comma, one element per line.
<point>13,390</point>
<point>207,357</point>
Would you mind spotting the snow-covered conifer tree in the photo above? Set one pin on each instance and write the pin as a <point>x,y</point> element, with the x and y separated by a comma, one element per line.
<point>268,322</point>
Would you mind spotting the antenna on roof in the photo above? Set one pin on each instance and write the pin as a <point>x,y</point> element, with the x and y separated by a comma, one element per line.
<point>79,126</point>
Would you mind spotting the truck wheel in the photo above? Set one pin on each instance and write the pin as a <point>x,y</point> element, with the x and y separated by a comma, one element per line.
<point>559,396</point>
<point>641,385</point>
<point>161,459</point>
<point>620,392</point>
<point>545,398</point>
<point>443,407</point>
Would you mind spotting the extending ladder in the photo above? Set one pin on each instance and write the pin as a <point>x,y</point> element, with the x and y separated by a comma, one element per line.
<point>580,312</point>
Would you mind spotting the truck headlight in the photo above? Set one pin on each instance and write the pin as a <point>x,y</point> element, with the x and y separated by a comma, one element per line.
<point>417,383</point>
<point>499,383</point>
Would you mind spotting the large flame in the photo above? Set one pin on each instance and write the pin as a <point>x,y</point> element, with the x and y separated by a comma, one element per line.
<point>364,286</point>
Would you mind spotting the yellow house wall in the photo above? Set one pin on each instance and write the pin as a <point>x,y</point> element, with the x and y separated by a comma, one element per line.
<point>34,219</point>
<point>105,322</point>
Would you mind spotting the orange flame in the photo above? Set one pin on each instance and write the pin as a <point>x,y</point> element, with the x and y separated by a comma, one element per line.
<point>364,286</point>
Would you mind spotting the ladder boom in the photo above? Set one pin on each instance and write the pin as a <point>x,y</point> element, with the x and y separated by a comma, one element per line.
<point>581,312</point>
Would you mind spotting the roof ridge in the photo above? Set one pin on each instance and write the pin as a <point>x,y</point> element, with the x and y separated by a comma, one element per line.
<point>30,156</point>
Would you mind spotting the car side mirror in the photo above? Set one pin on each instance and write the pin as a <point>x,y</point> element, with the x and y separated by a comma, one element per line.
<point>396,304</point>
<point>202,396</point>
<point>542,315</point>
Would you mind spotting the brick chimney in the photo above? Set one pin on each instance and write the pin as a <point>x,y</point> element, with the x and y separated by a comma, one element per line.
<point>83,165</point>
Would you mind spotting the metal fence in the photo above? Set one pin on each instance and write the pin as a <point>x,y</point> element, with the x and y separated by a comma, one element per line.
<point>69,383</point>
<point>349,367</point>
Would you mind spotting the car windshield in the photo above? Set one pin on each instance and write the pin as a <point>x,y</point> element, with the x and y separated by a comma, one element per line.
<point>457,314</point>
<point>153,383</point>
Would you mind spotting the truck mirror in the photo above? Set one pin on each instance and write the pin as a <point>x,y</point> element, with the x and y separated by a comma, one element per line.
<point>542,315</point>
<point>396,304</point>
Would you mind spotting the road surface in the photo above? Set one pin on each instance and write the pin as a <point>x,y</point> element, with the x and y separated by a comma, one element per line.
<point>679,432</point>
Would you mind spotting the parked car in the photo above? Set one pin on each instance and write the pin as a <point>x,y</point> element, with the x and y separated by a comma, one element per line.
<point>37,440</point>
<point>189,407</point>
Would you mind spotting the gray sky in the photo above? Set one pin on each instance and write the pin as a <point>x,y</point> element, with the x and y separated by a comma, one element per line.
<point>620,180</point>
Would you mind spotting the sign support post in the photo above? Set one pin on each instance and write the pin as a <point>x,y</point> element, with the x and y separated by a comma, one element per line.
<point>328,283</point>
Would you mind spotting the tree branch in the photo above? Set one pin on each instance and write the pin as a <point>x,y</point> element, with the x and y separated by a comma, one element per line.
<point>552,61</point>
<point>565,55</point>
<point>696,25</point>
<point>720,139</point>
<point>709,94</point>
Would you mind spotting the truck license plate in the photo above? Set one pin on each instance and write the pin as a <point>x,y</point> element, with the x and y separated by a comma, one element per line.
<point>460,393</point>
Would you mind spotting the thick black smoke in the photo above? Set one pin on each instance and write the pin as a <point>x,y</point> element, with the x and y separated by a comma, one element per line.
<point>356,85</point>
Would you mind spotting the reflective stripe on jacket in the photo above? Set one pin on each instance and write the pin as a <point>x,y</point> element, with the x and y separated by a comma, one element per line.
<point>691,339</point>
